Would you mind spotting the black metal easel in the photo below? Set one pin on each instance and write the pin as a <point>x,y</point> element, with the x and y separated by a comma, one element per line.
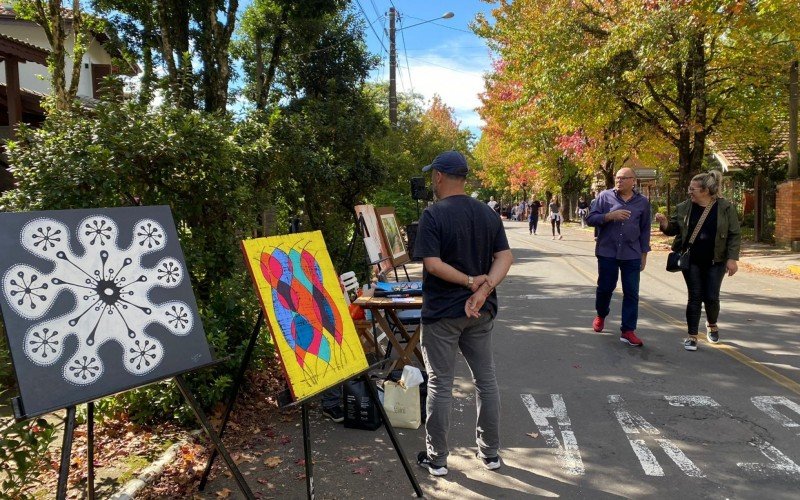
<point>69,437</point>
<point>285,402</point>
<point>234,393</point>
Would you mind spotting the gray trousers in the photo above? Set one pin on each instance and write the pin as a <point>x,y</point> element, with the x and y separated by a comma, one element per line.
<point>439,342</point>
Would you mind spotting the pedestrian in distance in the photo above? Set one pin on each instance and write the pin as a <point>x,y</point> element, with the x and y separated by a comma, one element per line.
<point>554,209</point>
<point>493,204</point>
<point>623,218</point>
<point>713,253</point>
<point>582,211</point>
<point>533,216</point>
<point>465,255</point>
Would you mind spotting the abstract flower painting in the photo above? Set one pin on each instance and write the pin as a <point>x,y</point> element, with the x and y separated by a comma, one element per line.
<point>100,297</point>
<point>305,309</point>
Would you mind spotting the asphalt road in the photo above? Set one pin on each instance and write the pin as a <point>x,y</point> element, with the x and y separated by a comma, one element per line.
<point>586,416</point>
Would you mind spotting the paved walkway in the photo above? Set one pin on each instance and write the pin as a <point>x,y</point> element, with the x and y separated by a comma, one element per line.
<point>585,416</point>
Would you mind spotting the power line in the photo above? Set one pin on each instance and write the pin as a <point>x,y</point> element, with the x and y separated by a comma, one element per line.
<point>443,25</point>
<point>366,18</point>
<point>408,66</point>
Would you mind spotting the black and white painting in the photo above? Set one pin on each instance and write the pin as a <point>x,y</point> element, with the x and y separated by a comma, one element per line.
<point>95,302</point>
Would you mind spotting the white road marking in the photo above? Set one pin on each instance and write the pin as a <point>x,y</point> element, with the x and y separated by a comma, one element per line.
<point>780,463</point>
<point>691,401</point>
<point>548,297</point>
<point>568,454</point>
<point>646,458</point>
<point>633,423</point>
<point>767,404</point>
<point>677,456</point>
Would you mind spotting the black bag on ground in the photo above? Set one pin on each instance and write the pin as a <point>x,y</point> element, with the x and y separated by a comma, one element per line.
<point>677,261</point>
<point>360,411</point>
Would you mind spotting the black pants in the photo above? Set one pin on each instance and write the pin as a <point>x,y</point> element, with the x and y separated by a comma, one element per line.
<point>532,223</point>
<point>556,224</point>
<point>703,284</point>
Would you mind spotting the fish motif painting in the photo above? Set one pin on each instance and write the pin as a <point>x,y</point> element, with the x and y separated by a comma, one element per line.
<point>308,319</point>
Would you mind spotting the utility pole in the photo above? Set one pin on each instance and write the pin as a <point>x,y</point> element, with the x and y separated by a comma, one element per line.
<point>793,121</point>
<point>393,59</point>
<point>392,69</point>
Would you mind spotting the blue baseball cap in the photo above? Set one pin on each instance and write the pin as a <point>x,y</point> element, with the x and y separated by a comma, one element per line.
<point>449,162</point>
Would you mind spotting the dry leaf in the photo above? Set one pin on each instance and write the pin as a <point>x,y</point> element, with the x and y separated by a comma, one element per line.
<point>224,493</point>
<point>362,470</point>
<point>273,462</point>
<point>353,460</point>
<point>286,440</point>
<point>534,435</point>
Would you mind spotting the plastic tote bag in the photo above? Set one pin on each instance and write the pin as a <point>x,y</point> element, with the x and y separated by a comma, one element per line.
<point>402,405</point>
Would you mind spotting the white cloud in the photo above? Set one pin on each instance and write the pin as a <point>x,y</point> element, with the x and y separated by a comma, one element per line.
<point>454,70</point>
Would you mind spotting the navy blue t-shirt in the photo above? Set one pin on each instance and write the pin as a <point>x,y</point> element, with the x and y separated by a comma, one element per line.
<point>465,234</point>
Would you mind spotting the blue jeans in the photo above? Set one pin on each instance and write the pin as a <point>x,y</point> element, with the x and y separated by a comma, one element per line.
<point>703,284</point>
<point>608,270</point>
<point>332,397</point>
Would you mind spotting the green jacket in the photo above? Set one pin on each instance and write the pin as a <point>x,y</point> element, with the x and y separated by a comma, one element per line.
<point>729,238</point>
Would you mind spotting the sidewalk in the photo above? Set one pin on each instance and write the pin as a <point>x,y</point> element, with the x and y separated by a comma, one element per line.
<point>767,257</point>
<point>757,257</point>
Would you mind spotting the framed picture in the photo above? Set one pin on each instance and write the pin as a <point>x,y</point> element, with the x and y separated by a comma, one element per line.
<point>304,306</point>
<point>392,238</point>
<point>374,242</point>
<point>95,302</point>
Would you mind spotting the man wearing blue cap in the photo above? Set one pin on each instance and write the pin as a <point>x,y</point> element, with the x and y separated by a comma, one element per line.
<point>466,255</point>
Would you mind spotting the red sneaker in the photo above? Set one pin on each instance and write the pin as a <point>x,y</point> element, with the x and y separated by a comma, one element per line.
<point>631,339</point>
<point>598,324</point>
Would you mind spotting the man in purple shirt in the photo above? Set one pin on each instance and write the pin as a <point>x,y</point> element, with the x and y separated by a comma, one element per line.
<point>622,217</point>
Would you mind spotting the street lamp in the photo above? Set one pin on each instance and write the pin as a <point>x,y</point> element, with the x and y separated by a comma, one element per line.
<point>393,60</point>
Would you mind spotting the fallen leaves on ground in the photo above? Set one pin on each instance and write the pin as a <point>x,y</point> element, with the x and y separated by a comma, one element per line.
<point>534,435</point>
<point>273,462</point>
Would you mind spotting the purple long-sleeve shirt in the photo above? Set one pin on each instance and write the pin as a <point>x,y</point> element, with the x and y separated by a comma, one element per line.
<point>626,239</point>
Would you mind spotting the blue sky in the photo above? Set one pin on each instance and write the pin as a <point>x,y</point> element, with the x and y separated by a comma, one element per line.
<point>442,57</point>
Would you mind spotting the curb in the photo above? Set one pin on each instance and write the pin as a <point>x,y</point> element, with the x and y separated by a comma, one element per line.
<point>151,472</point>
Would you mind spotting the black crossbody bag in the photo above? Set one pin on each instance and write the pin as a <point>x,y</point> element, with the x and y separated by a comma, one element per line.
<point>680,261</point>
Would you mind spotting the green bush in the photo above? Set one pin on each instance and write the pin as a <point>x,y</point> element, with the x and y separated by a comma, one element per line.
<point>204,167</point>
<point>23,455</point>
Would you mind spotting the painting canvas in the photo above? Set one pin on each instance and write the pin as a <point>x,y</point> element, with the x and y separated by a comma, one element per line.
<point>392,237</point>
<point>373,239</point>
<point>308,319</point>
<point>95,302</point>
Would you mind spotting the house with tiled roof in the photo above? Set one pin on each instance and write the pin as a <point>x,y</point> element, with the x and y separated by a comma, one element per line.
<point>25,80</point>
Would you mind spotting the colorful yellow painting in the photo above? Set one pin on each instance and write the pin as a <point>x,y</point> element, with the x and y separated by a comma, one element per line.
<point>303,302</point>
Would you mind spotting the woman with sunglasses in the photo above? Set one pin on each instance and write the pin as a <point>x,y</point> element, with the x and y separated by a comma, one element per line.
<point>713,253</point>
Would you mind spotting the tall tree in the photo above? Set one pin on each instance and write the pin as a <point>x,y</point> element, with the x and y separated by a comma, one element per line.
<point>272,31</point>
<point>58,23</point>
<point>678,67</point>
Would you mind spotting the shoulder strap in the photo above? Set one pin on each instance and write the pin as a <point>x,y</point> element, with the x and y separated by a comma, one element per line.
<point>701,221</point>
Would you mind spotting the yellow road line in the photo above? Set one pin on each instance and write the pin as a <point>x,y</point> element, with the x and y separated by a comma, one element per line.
<point>731,351</point>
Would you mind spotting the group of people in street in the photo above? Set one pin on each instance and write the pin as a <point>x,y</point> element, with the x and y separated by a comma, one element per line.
<point>533,210</point>
<point>466,255</point>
